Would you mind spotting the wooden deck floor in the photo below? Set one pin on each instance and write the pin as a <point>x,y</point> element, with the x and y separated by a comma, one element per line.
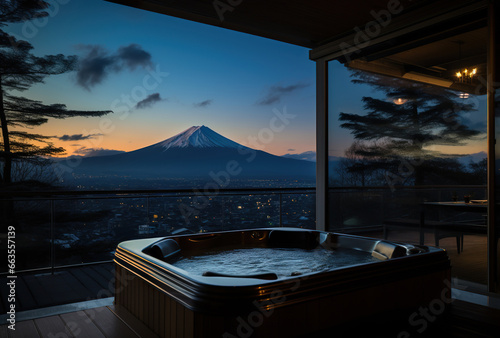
<point>101,322</point>
<point>41,290</point>
<point>466,320</point>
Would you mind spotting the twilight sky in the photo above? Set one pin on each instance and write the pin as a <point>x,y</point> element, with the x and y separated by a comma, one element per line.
<point>161,75</point>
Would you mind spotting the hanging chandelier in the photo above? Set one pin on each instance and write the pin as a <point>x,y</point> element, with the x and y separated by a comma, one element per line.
<point>465,75</point>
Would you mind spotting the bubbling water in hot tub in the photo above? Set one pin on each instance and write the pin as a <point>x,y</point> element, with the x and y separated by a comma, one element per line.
<point>284,262</point>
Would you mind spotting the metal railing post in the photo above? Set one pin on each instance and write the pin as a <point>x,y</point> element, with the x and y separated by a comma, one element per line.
<point>147,211</point>
<point>281,215</point>
<point>52,249</point>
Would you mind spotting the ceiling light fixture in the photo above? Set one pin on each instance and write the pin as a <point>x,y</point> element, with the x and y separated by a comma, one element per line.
<point>464,75</point>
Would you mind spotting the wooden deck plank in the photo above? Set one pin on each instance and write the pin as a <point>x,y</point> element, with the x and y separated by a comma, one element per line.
<point>142,330</point>
<point>103,282</point>
<point>4,331</point>
<point>81,325</point>
<point>87,281</point>
<point>58,290</point>
<point>42,298</point>
<point>4,290</point>
<point>107,271</point>
<point>466,320</point>
<point>52,326</point>
<point>26,329</point>
<point>77,286</point>
<point>109,323</point>
<point>25,296</point>
<point>66,286</point>
<point>476,313</point>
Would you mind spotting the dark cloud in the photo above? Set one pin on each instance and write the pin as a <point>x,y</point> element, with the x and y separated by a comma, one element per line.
<point>98,63</point>
<point>203,103</point>
<point>94,67</point>
<point>89,152</point>
<point>76,137</point>
<point>291,149</point>
<point>134,56</point>
<point>275,93</point>
<point>148,101</point>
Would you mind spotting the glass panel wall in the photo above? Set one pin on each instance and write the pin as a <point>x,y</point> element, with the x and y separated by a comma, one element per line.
<point>54,232</point>
<point>497,187</point>
<point>404,157</point>
<point>494,147</point>
<point>27,222</point>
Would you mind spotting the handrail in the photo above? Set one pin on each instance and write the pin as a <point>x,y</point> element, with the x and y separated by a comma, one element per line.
<point>409,187</point>
<point>52,194</point>
<point>142,192</point>
<point>118,194</point>
<point>52,269</point>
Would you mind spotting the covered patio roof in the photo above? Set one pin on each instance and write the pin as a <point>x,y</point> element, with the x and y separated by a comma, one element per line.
<point>413,39</point>
<point>299,22</point>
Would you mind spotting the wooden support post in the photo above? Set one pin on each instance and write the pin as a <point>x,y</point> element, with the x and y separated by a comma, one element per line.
<point>321,144</point>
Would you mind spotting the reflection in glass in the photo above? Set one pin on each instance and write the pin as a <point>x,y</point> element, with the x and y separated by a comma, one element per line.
<point>394,146</point>
<point>497,180</point>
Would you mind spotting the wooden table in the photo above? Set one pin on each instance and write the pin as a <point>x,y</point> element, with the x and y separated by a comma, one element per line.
<point>476,207</point>
<point>459,206</point>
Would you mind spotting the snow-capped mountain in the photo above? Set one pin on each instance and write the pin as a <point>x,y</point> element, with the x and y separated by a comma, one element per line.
<point>198,152</point>
<point>198,136</point>
<point>306,156</point>
<point>474,158</point>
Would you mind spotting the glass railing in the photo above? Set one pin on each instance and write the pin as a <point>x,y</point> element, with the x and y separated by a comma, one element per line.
<point>356,208</point>
<point>61,229</point>
<point>72,228</point>
<point>426,215</point>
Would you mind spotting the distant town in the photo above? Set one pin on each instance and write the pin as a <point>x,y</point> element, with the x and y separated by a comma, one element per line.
<point>88,228</point>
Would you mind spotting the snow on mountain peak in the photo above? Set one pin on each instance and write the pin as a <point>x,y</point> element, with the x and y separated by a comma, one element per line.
<point>199,137</point>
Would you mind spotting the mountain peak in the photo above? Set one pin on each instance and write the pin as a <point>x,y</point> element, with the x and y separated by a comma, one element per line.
<point>198,137</point>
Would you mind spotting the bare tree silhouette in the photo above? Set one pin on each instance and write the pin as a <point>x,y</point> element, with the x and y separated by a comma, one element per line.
<point>19,70</point>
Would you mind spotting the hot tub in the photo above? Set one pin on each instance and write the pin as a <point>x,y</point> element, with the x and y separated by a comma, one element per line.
<point>273,282</point>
